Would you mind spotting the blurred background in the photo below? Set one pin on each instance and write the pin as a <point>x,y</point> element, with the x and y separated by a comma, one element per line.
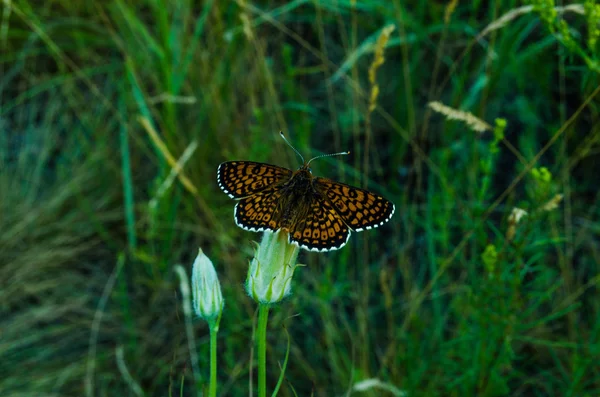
<point>116,114</point>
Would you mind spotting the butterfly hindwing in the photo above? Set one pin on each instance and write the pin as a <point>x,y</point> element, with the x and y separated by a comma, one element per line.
<point>321,229</point>
<point>257,213</point>
<point>239,179</point>
<point>360,209</point>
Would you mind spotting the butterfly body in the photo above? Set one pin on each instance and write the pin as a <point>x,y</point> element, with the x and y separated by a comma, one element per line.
<point>294,192</point>
<point>317,213</point>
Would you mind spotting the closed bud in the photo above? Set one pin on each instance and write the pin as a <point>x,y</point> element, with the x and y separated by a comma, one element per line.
<point>206,290</point>
<point>270,274</point>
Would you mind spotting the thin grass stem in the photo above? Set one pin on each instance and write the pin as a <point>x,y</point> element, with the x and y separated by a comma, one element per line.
<point>127,185</point>
<point>214,330</point>
<point>263,316</point>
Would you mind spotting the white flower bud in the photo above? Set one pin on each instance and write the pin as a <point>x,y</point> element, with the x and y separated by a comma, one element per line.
<point>206,290</point>
<point>516,215</point>
<point>270,274</point>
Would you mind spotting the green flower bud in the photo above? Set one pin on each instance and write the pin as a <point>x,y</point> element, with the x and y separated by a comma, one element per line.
<point>499,127</point>
<point>490,257</point>
<point>270,274</point>
<point>545,175</point>
<point>206,290</point>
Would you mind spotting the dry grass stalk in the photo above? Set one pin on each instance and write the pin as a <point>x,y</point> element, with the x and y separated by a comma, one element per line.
<point>474,123</point>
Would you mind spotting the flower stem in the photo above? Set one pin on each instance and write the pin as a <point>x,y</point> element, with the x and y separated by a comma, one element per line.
<point>263,315</point>
<point>214,330</point>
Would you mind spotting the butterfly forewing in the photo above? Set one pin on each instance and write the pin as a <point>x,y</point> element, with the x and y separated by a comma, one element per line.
<point>241,179</point>
<point>258,212</point>
<point>360,209</point>
<point>321,229</point>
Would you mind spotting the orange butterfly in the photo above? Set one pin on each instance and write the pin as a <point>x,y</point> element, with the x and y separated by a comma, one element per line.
<point>318,213</point>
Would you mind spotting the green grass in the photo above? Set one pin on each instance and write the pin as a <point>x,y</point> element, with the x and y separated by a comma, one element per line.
<point>442,300</point>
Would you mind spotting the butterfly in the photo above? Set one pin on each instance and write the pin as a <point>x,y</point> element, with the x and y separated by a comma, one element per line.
<point>318,214</point>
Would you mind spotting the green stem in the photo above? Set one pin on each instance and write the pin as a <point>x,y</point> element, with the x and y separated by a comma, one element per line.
<point>214,330</point>
<point>263,315</point>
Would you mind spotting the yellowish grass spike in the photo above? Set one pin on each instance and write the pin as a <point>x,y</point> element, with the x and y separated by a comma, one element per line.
<point>517,12</point>
<point>378,60</point>
<point>474,123</point>
<point>553,203</point>
<point>449,10</point>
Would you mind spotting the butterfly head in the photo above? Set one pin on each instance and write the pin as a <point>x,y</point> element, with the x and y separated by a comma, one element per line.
<point>305,167</point>
<point>304,172</point>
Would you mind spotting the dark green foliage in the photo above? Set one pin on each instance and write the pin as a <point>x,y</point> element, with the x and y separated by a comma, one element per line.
<point>453,297</point>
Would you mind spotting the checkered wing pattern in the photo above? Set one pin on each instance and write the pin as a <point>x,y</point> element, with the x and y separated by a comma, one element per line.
<point>239,179</point>
<point>321,229</point>
<point>360,209</point>
<point>257,213</point>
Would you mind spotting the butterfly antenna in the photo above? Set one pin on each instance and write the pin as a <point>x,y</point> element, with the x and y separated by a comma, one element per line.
<point>327,155</point>
<point>288,142</point>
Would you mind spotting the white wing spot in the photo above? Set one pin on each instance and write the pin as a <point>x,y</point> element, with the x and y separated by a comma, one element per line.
<point>315,249</point>
<point>221,184</point>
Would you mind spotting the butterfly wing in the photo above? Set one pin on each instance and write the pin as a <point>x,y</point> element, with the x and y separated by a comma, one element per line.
<point>239,179</point>
<point>360,209</point>
<point>259,211</point>
<point>320,228</point>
